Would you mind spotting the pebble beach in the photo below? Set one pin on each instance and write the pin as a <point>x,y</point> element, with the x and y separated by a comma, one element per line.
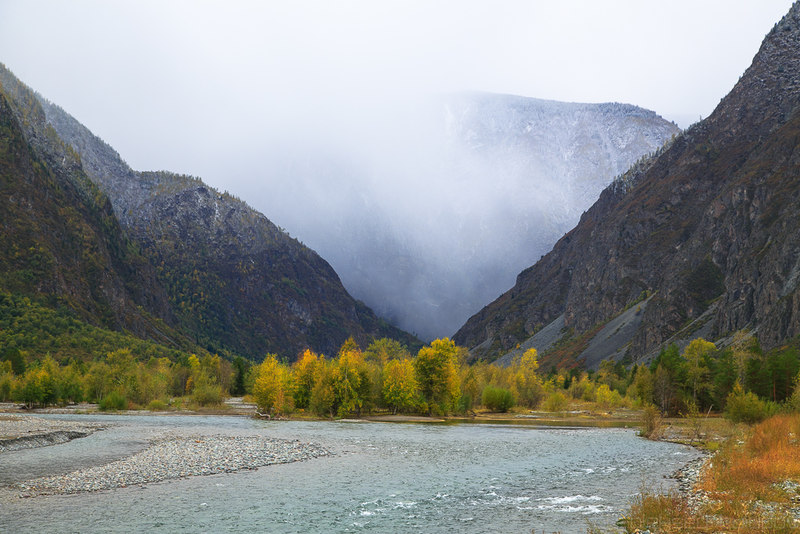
<point>167,457</point>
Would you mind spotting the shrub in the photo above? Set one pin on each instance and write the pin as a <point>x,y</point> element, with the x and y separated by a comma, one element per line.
<point>651,422</point>
<point>746,407</point>
<point>207,394</point>
<point>497,399</point>
<point>555,402</point>
<point>112,402</point>
<point>157,405</point>
<point>607,398</point>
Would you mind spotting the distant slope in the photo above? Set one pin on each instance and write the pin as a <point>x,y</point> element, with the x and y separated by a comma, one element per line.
<point>435,218</point>
<point>710,225</point>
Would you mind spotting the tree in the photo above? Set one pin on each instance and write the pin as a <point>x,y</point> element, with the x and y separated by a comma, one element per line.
<point>642,385</point>
<point>384,349</point>
<point>525,382</point>
<point>323,396</point>
<point>697,371</point>
<point>271,388</point>
<point>400,389</point>
<point>241,369</point>
<point>37,387</point>
<point>742,347</point>
<point>351,381</point>
<point>436,369</point>
<point>663,391</point>
<point>304,373</point>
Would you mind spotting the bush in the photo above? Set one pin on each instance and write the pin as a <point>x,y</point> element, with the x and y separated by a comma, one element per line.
<point>497,399</point>
<point>741,407</point>
<point>112,402</point>
<point>608,398</point>
<point>651,422</point>
<point>555,402</point>
<point>207,394</point>
<point>157,405</point>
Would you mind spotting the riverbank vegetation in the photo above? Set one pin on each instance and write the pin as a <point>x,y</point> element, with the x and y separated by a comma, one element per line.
<point>740,381</point>
<point>752,484</point>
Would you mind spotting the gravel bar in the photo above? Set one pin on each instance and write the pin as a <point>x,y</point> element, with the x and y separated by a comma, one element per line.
<point>176,457</point>
<point>24,431</point>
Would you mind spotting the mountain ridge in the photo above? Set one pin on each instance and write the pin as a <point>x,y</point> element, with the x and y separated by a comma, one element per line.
<point>707,221</point>
<point>219,271</point>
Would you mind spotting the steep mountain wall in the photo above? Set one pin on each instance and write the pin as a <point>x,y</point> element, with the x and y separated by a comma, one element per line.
<point>711,220</point>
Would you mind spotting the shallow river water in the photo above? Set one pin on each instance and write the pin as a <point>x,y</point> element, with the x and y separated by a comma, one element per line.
<point>382,477</point>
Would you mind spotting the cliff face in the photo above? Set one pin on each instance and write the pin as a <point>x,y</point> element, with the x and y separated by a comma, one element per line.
<point>202,261</point>
<point>708,225</point>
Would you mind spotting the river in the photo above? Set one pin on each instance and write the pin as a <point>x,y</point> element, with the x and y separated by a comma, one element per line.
<point>381,477</point>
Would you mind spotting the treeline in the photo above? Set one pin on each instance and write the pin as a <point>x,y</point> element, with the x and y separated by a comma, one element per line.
<point>740,380</point>
<point>119,381</point>
<point>38,328</point>
<point>386,376</point>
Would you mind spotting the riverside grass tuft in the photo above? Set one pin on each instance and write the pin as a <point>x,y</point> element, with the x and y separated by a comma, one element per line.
<point>751,485</point>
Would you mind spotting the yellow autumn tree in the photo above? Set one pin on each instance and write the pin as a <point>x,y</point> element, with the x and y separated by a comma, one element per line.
<point>304,374</point>
<point>400,390</point>
<point>526,384</point>
<point>272,387</point>
<point>351,380</point>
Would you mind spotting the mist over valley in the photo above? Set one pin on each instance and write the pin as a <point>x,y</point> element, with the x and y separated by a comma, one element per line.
<point>429,212</point>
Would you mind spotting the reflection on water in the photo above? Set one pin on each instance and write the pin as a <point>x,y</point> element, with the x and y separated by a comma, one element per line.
<point>382,477</point>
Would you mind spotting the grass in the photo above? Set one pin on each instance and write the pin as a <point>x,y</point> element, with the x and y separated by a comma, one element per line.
<point>751,485</point>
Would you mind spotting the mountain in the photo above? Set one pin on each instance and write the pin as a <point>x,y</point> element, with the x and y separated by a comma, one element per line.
<point>702,239</point>
<point>432,215</point>
<point>61,243</point>
<point>162,245</point>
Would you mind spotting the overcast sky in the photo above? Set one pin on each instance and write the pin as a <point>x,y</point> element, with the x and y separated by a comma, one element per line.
<point>198,87</point>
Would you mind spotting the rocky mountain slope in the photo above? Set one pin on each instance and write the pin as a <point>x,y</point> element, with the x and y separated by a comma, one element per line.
<point>435,218</point>
<point>62,245</point>
<point>209,265</point>
<point>710,228</point>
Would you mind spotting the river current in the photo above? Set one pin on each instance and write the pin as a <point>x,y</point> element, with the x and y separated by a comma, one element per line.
<point>382,477</point>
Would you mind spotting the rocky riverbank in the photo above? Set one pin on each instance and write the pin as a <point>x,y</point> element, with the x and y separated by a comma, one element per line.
<point>688,476</point>
<point>24,432</point>
<point>176,457</point>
